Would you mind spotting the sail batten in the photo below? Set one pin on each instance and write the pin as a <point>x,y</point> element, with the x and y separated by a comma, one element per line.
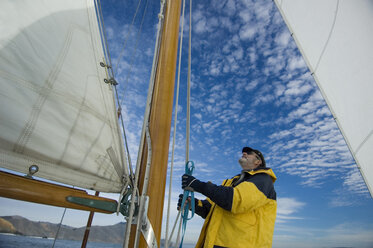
<point>56,110</point>
<point>335,39</point>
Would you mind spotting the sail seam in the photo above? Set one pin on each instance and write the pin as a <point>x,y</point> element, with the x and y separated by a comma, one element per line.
<point>364,141</point>
<point>44,92</point>
<point>329,36</point>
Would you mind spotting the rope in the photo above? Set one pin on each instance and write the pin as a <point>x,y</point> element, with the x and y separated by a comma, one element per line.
<point>187,170</point>
<point>168,241</point>
<point>174,133</point>
<point>189,72</point>
<point>187,205</point>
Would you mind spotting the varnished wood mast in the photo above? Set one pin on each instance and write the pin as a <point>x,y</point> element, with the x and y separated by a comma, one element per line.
<point>160,121</point>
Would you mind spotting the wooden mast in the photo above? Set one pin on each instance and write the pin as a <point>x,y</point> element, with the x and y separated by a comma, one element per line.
<point>160,121</point>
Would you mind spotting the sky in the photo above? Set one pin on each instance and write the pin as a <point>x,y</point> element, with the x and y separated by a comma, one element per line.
<point>249,87</point>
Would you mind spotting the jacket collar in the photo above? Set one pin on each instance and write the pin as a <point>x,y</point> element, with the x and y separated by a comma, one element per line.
<point>265,170</point>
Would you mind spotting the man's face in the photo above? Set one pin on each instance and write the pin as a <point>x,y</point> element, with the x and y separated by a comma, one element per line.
<point>249,161</point>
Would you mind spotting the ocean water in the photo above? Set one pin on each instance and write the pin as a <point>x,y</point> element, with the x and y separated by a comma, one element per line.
<point>17,241</point>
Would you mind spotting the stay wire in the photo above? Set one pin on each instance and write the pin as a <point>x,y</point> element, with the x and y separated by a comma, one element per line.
<point>146,118</point>
<point>103,34</point>
<point>59,227</point>
<point>126,39</point>
<point>111,73</point>
<point>133,55</point>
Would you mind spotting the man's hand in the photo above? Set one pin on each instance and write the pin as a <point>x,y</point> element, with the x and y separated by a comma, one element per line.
<point>188,200</point>
<point>190,183</point>
<point>187,182</point>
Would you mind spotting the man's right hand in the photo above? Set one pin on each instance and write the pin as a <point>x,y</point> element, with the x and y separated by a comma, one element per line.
<point>188,200</point>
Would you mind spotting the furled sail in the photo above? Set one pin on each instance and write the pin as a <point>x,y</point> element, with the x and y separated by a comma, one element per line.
<point>56,111</point>
<point>335,38</point>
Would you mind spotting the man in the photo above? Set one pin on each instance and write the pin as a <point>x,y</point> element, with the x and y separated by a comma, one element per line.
<point>242,211</point>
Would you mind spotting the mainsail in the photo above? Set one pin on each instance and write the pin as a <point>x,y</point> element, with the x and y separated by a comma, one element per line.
<point>56,110</point>
<point>335,38</point>
<point>58,113</point>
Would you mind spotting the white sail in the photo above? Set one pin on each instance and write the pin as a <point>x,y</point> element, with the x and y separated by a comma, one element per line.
<point>56,111</point>
<point>335,38</point>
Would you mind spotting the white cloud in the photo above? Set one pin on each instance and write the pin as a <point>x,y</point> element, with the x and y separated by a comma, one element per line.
<point>248,32</point>
<point>296,88</point>
<point>198,116</point>
<point>282,39</point>
<point>286,208</point>
<point>296,63</point>
<point>250,86</point>
<point>346,234</point>
<point>200,26</point>
<point>230,7</point>
<point>355,182</point>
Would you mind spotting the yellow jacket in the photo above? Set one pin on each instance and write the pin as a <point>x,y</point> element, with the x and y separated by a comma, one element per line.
<point>251,219</point>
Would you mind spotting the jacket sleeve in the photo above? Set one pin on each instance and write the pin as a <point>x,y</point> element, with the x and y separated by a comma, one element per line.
<point>253,193</point>
<point>221,195</point>
<point>246,196</point>
<point>202,208</point>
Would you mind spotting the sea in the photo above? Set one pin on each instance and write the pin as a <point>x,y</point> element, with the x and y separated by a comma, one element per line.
<point>18,241</point>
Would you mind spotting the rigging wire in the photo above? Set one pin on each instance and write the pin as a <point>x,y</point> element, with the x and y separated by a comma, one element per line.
<point>111,73</point>
<point>175,122</point>
<point>126,39</point>
<point>103,35</point>
<point>133,55</point>
<point>59,227</point>
<point>146,119</point>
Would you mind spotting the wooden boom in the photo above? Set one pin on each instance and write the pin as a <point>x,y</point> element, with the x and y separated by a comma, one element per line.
<point>31,190</point>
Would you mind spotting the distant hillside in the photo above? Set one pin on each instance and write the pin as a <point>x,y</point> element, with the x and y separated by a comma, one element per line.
<point>23,226</point>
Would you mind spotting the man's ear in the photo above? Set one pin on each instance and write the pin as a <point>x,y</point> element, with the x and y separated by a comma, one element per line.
<point>258,162</point>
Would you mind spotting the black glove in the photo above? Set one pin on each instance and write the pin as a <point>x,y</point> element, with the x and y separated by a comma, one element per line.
<point>179,203</point>
<point>190,183</point>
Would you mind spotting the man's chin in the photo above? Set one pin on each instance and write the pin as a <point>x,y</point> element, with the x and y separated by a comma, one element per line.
<point>243,162</point>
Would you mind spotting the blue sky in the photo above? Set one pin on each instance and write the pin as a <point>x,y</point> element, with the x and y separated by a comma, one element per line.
<point>250,87</point>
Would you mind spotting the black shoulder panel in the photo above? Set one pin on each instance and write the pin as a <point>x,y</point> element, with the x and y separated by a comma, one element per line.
<point>264,183</point>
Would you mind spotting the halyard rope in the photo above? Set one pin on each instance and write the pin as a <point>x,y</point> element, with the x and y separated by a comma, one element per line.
<point>186,206</point>
<point>175,122</point>
<point>184,209</point>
